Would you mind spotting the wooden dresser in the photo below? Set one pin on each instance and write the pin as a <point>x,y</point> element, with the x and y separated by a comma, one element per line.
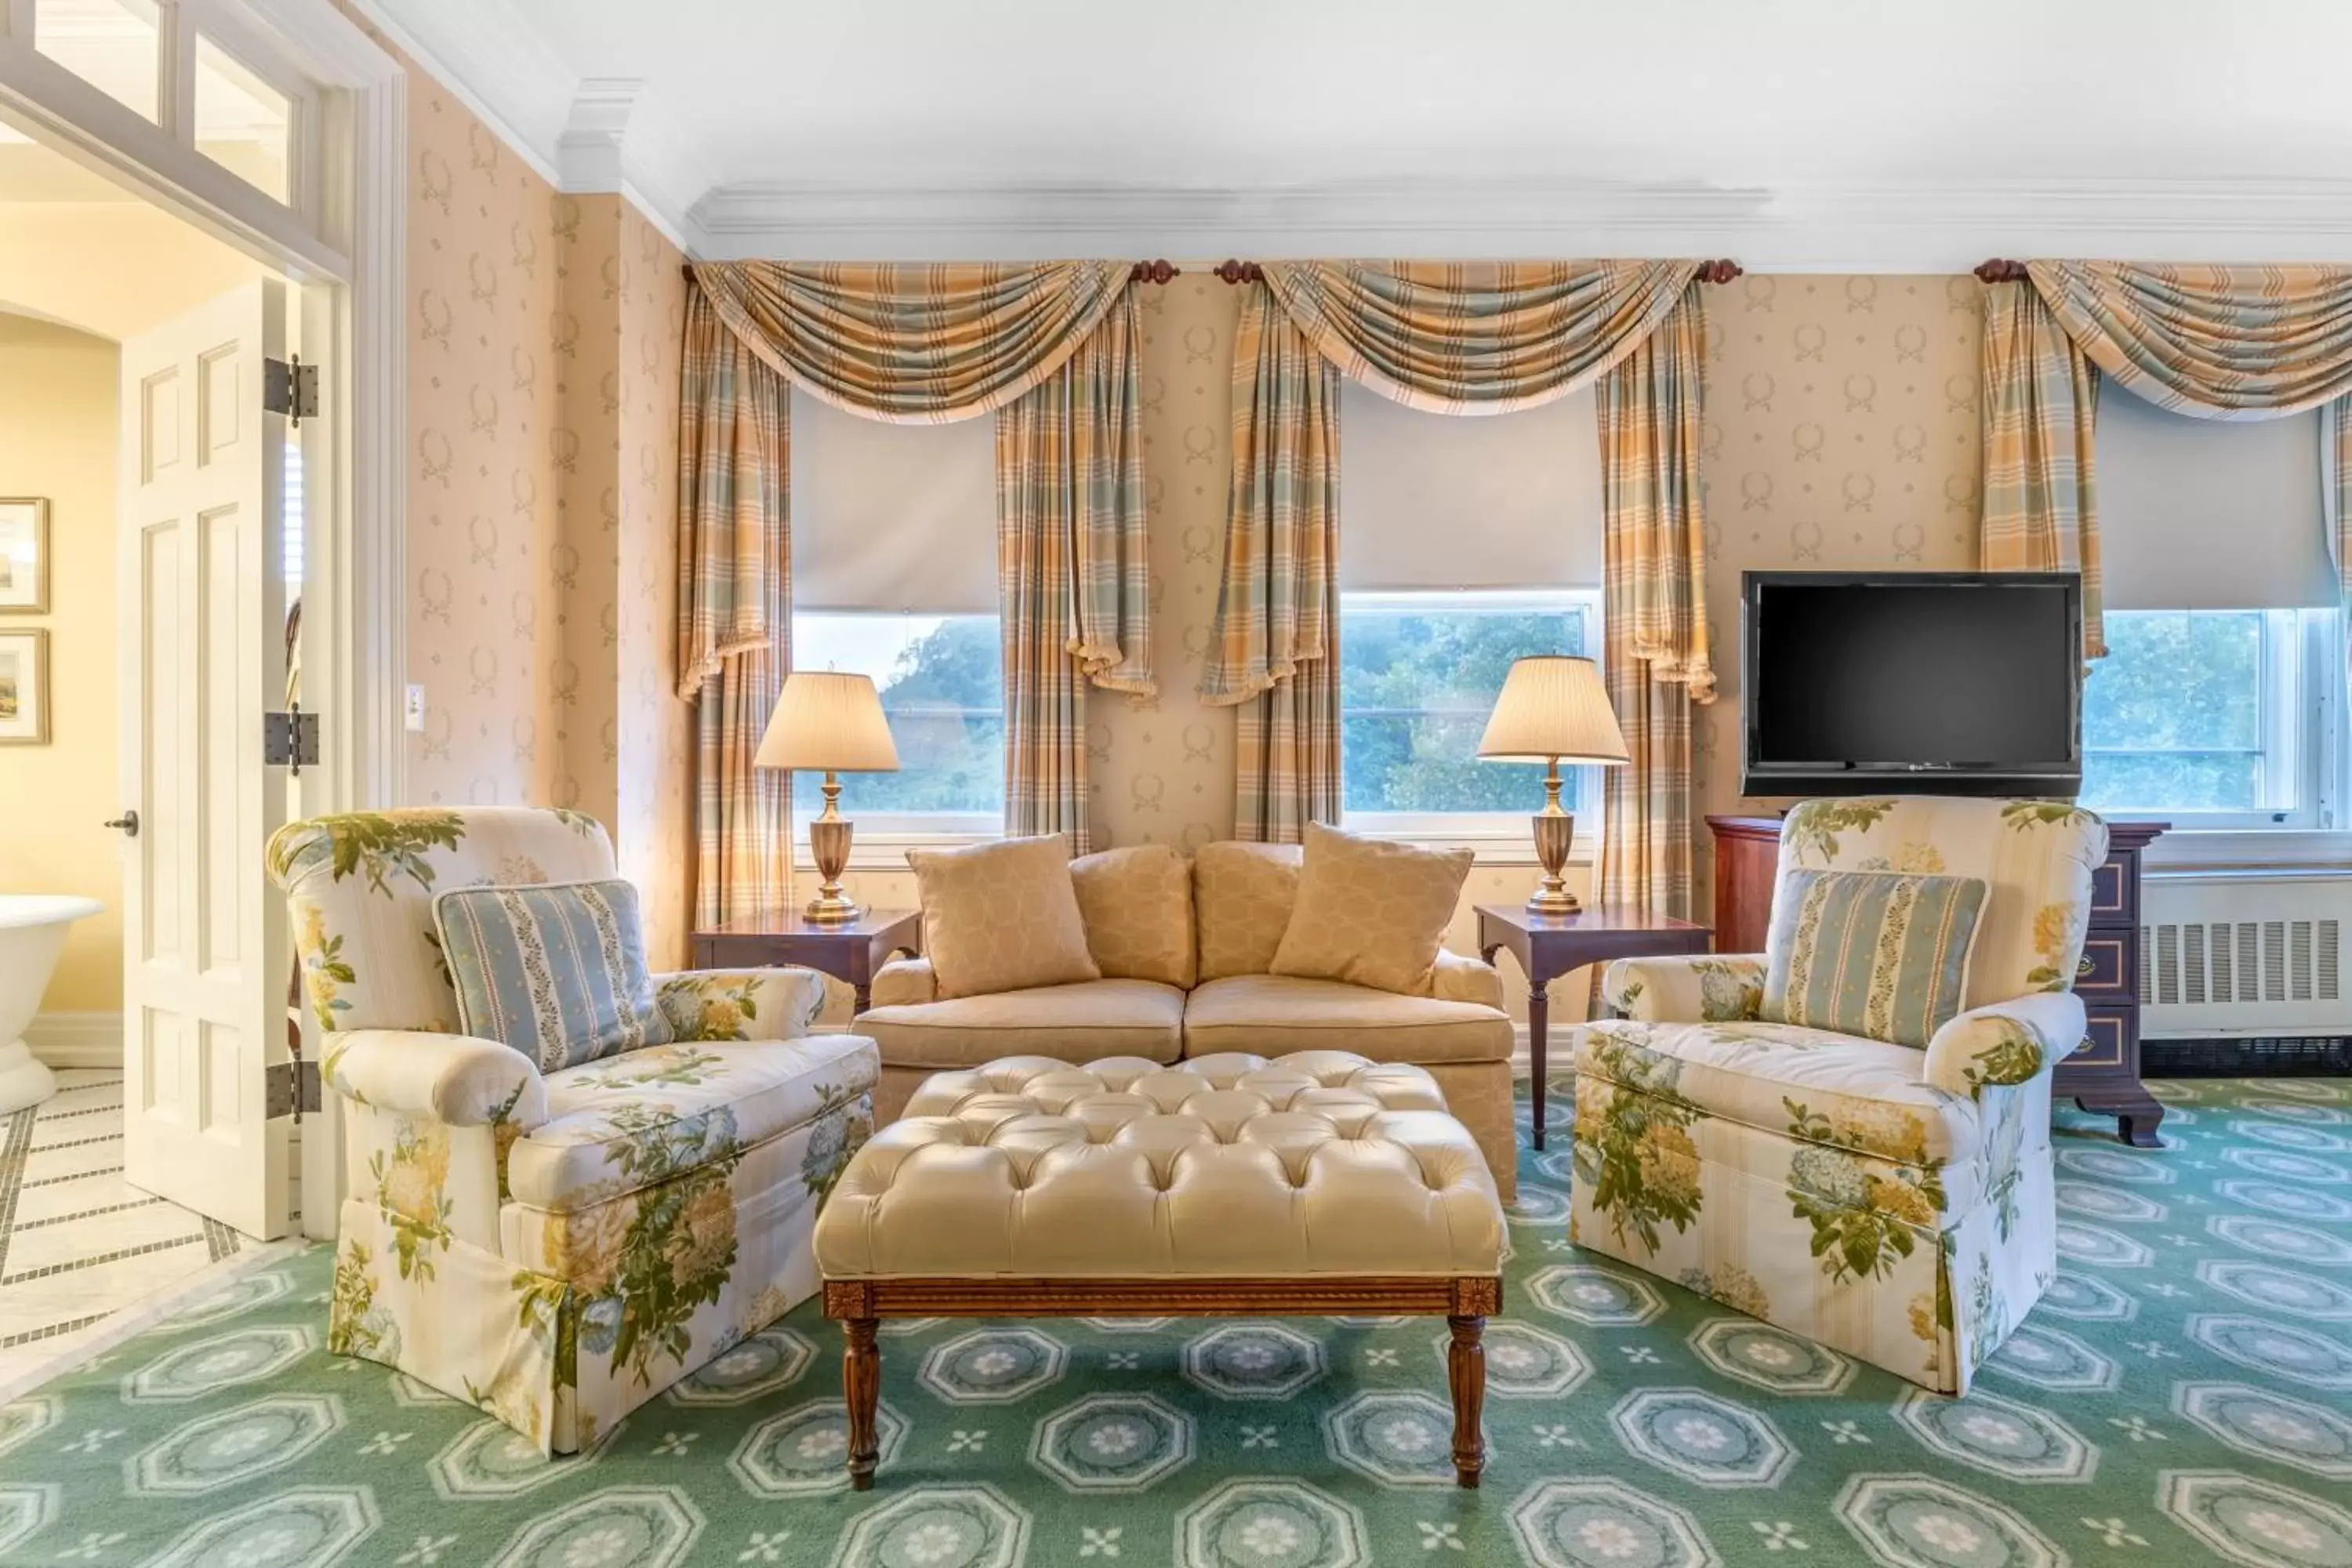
<point>2104,1075</point>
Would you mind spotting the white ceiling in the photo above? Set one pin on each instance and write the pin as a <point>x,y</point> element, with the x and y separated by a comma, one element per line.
<point>1924,134</point>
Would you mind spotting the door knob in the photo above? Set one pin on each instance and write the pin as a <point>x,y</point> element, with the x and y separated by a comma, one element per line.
<point>128,823</point>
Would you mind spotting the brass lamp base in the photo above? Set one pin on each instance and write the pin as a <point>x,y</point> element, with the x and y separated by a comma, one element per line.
<point>829,847</point>
<point>1555,831</point>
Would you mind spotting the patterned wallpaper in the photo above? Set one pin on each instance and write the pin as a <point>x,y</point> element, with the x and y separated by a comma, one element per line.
<point>1162,771</point>
<point>1841,435</point>
<point>483,417</point>
<point>544,427</point>
<point>653,788</point>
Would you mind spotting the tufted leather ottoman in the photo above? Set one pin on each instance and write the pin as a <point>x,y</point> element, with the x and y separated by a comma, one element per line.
<point>1319,1183</point>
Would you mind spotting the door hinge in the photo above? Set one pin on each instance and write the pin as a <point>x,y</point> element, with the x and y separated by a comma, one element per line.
<point>290,1089</point>
<point>290,387</point>
<point>290,740</point>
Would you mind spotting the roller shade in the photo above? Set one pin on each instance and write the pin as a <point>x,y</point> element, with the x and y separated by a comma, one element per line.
<point>892,517</point>
<point>2209,514</point>
<point>1442,501</point>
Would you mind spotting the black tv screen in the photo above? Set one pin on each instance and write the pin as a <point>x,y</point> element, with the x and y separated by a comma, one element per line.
<point>1930,683</point>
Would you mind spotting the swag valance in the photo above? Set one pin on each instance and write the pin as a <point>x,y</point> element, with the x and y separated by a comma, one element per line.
<point>913,344</point>
<point>1465,337</point>
<point>1053,350</point>
<point>2215,342</point>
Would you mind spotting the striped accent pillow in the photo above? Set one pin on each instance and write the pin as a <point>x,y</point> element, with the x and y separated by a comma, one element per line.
<point>557,971</point>
<point>1882,954</point>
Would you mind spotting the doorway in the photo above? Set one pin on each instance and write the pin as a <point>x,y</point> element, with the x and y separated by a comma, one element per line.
<point>195,197</point>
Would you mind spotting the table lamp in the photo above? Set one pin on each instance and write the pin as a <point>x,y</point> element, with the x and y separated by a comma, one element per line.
<point>828,719</point>
<point>1553,709</point>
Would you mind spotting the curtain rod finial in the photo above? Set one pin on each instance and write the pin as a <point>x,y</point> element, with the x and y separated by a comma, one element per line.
<point>1720,271</point>
<point>1234,272</point>
<point>1999,272</point>
<point>1156,271</point>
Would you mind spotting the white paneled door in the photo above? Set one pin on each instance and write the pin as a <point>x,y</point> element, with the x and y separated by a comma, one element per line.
<point>201,651</point>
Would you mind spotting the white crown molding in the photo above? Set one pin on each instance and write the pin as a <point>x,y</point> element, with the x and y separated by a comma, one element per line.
<point>583,135</point>
<point>495,64</point>
<point>1942,227</point>
<point>588,148</point>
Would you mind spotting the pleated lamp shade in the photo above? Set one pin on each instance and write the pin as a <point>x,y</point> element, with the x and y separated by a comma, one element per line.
<point>1553,705</point>
<point>830,720</point>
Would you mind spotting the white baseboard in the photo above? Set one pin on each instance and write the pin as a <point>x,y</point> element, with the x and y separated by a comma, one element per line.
<point>77,1039</point>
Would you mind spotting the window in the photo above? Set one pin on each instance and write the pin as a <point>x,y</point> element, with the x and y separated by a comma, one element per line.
<point>1419,673</point>
<point>116,46</point>
<point>242,123</point>
<point>2214,718</point>
<point>942,684</point>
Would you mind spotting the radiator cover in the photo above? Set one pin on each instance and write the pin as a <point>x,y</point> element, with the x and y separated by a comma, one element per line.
<point>2243,952</point>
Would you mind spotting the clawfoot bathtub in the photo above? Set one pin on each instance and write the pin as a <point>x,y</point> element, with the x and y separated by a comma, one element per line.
<point>32,930</point>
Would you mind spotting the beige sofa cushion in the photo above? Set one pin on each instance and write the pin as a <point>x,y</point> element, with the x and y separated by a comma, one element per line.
<point>1273,1015</point>
<point>1001,916</point>
<point>1069,1023</point>
<point>1370,912</point>
<point>1137,903</point>
<point>1241,895</point>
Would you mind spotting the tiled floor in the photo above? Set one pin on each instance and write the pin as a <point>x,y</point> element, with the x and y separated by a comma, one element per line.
<point>77,1244</point>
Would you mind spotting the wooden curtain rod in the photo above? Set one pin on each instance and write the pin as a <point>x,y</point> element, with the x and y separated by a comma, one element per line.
<point>1158,271</point>
<point>1718,272</point>
<point>1999,272</point>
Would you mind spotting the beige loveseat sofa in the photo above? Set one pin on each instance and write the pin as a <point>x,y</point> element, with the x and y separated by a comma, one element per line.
<point>1184,948</point>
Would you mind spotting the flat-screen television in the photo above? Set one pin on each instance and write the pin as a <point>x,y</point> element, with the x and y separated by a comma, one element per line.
<point>1917,683</point>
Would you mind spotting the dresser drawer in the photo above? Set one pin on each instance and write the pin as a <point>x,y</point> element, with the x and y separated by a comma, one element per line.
<point>2107,1036</point>
<point>2114,893</point>
<point>2105,973</point>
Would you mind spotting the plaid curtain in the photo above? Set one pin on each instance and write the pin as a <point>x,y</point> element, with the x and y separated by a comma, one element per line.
<point>1073,569</point>
<point>1273,645</point>
<point>2040,412</point>
<point>910,344</point>
<point>2336,499</point>
<point>1483,337</point>
<point>2219,342</point>
<point>914,344</point>
<point>1462,338</point>
<point>734,609</point>
<point>1653,613</point>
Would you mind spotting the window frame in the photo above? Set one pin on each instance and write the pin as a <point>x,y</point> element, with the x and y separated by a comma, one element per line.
<point>2302,702</point>
<point>883,837</point>
<point>1497,837</point>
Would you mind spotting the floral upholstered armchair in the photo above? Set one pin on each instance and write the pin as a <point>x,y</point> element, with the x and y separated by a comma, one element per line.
<point>1890,1202</point>
<point>553,1247</point>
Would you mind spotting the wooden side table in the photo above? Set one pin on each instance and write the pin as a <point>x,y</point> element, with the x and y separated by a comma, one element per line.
<point>851,951</point>
<point>1548,946</point>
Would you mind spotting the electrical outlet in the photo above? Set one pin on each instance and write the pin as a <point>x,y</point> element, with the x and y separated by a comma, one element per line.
<point>412,710</point>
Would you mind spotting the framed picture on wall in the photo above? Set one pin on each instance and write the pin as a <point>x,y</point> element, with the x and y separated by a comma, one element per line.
<point>24,555</point>
<point>24,688</point>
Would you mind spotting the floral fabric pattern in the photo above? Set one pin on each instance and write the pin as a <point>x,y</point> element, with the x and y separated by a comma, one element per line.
<point>679,1181</point>
<point>1895,1203</point>
<point>2037,858</point>
<point>1714,989</point>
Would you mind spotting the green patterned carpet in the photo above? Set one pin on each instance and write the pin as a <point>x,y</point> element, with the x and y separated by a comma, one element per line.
<point>2185,1395</point>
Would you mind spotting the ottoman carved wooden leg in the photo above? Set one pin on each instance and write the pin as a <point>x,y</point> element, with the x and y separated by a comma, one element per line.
<point>1360,1197</point>
<point>1465,1377</point>
<point>861,1390</point>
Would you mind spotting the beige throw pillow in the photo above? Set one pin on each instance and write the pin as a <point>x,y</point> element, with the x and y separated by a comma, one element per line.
<point>1241,895</point>
<point>1370,912</point>
<point>1001,916</point>
<point>1137,903</point>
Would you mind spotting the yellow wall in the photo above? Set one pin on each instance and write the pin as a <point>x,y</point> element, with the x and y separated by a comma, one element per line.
<point>114,268</point>
<point>57,439</point>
